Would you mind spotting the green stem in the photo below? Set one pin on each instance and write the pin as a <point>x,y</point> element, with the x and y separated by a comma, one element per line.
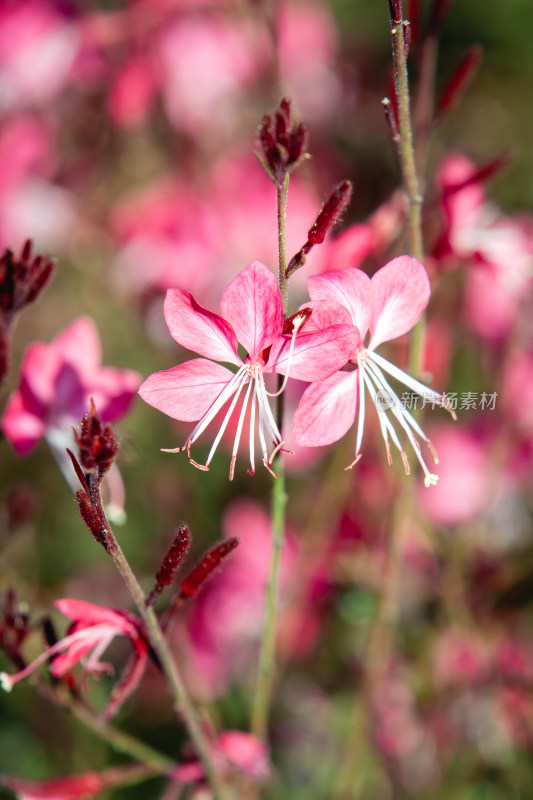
<point>119,740</point>
<point>267,653</point>
<point>406,152</point>
<point>182,702</point>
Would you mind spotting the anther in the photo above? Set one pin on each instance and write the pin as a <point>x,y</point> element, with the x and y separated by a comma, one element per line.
<point>269,468</point>
<point>354,462</point>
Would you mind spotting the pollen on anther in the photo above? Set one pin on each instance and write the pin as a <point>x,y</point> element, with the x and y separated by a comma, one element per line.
<point>201,467</point>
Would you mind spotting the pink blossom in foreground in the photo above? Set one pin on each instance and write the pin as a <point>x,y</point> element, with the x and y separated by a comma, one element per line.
<point>90,634</point>
<point>56,382</point>
<point>386,305</point>
<point>200,389</point>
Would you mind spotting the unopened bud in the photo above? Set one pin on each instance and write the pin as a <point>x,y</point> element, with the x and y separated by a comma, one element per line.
<point>97,443</point>
<point>331,212</point>
<point>459,80</point>
<point>202,572</point>
<point>174,556</point>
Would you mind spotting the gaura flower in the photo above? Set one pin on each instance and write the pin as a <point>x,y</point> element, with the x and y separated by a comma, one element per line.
<point>200,389</point>
<point>92,630</point>
<point>386,305</point>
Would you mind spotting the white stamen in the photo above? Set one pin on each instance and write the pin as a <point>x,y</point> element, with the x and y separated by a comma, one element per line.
<point>403,377</point>
<point>215,407</point>
<point>252,429</point>
<point>361,421</point>
<point>239,428</point>
<point>224,425</point>
<point>297,324</point>
<point>272,426</point>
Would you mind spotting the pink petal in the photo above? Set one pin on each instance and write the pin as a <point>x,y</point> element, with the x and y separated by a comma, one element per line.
<point>327,410</point>
<point>199,329</point>
<point>92,614</point>
<point>79,344</point>
<point>87,784</point>
<point>113,391</point>
<point>185,392</point>
<point>253,303</point>
<point>325,313</point>
<point>399,293</point>
<point>350,288</point>
<point>64,662</point>
<point>316,355</point>
<point>39,371</point>
<point>21,427</point>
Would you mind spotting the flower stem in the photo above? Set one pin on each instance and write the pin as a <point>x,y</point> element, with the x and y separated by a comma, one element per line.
<point>406,153</point>
<point>267,653</point>
<point>182,702</point>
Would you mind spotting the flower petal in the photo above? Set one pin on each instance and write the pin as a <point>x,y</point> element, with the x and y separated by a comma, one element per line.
<point>22,427</point>
<point>199,329</point>
<point>93,614</point>
<point>316,354</point>
<point>253,303</point>
<point>350,287</point>
<point>327,410</point>
<point>185,392</point>
<point>399,293</point>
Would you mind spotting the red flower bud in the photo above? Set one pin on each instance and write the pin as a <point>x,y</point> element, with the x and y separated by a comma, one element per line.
<point>200,574</point>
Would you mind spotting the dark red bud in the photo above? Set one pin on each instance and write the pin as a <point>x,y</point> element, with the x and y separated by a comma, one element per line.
<point>331,212</point>
<point>395,10</point>
<point>438,14</point>
<point>406,37</point>
<point>97,443</point>
<point>266,133</point>
<point>174,556</point>
<point>414,16</point>
<point>95,521</point>
<point>200,574</point>
<point>302,314</point>
<point>460,80</point>
<point>298,143</point>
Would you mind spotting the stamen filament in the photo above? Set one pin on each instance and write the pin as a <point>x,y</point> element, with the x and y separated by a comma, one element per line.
<point>224,425</point>
<point>252,429</point>
<point>217,404</point>
<point>297,324</point>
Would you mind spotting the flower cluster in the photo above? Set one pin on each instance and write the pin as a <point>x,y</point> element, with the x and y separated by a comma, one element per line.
<point>325,347</point>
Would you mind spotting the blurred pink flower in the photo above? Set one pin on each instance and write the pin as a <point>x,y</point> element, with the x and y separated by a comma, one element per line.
<point>464,477</point>
<point>38,47</point>
<point>499,249</point>
<point>236,749</point>
<point>56,382</point>
<point>71,787</point>
<point>199,389</point>
<point>224,624</point>
<point>205,62</point>
<point>132,91</point>
<point>460,658</point>
<point>387,305</point>
<point>90,634</point>
<point>29,199</point>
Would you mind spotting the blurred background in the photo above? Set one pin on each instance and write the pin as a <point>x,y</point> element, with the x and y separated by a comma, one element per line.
<point>128,133</point>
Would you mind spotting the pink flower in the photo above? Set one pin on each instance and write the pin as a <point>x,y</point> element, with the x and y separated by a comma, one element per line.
<point>235,749</point>
<point>71,787</point>
<point>92,631</point>
<point>56,382</point>
<point>199,389</point>
<point>387,306</point>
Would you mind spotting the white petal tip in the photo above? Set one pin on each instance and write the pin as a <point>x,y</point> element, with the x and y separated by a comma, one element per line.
<point>431,480</point>
<point>116,514</point>
<point>5,682</point>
